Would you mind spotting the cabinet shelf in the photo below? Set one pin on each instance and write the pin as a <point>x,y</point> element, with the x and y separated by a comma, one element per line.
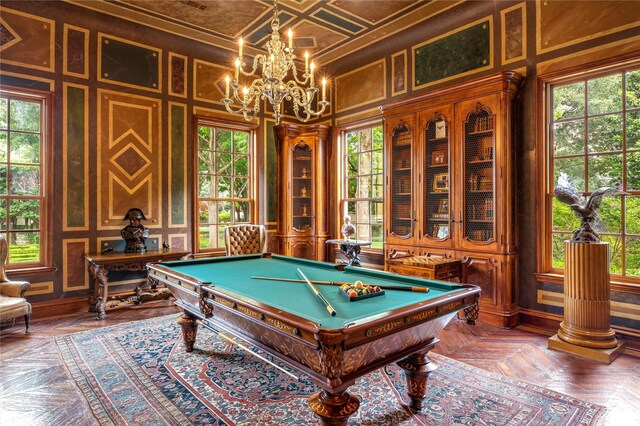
<point>437,166</point>
<point>303,178</point>
<point>487,162</point>
<point>301,198</point>
<point>402,169</point>
<point>479,191</point>
<point>480,132</point>
<point>438,140</point>
<point>480,220</point>
<point>300,216</point>
<point>404,219</point>
<point>438,219</point>
<point>402,194</point>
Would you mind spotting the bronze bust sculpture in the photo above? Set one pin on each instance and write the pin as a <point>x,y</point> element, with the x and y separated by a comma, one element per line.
<point>135,233</point>
<point>347,228</point>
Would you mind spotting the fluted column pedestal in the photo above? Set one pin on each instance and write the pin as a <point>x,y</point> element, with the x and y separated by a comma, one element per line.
<point>586,329</point>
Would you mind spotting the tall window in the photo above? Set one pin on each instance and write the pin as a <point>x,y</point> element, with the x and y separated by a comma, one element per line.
<point>595,139</point>
<point>363,182</point>
<point>224,181</point>
<point>23,207</point>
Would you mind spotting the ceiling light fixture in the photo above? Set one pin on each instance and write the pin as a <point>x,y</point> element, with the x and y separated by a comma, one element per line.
<point>272,85</point>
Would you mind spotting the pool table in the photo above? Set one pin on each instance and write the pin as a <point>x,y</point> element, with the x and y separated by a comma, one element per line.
<point>287,320</point>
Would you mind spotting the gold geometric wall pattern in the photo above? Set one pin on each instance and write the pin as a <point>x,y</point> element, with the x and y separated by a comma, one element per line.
<point>26,40</point>
<point>129,158</point>
<point>208,81</point>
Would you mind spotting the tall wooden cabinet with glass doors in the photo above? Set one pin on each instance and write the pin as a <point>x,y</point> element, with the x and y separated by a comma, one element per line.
<point>302,190</point>
<point>450,185</point>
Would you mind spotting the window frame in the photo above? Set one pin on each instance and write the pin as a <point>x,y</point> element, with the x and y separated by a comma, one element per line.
<point>544,163</point>
<point>251,128</point>
<point>45,99</point>
<point>342,175</point>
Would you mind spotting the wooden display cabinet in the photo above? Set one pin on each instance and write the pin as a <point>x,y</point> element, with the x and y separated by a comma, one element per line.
<point>462,193</point>
<point>302,190</point>
<point>399,163</point>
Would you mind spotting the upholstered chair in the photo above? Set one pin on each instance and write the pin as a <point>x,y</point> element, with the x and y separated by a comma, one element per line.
<point>245,239</point>
<point>12,301</point>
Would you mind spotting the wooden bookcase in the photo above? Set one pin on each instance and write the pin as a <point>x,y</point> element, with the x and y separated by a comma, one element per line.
<point>450,185</point>
<point>302,190</point>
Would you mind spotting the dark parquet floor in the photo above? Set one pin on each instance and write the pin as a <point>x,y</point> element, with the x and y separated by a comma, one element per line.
<point>35,388</point>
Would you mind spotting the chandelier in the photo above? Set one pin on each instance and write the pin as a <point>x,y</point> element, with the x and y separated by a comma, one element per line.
<point>275,67</point>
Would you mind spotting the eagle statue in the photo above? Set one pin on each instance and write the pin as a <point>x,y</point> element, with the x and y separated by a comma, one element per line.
<point>586,209</point>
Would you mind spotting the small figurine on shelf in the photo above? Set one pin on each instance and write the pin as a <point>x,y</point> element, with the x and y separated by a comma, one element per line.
<point>304,173</point>
<point>304,209</point>
<point>303,192</point>
<point>135,233</point>
<point>347,228</point>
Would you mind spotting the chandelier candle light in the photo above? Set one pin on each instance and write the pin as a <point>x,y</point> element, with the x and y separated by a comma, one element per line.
<point>272,85</point>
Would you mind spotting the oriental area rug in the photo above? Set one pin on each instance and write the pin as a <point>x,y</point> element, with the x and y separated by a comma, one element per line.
<point>139,373</point>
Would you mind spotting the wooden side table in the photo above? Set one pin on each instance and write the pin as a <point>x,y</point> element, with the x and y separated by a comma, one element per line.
<point>101,264</point>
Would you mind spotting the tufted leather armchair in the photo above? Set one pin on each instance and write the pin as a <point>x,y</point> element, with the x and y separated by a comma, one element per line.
<point>12,301</point>
<point>245,239</point>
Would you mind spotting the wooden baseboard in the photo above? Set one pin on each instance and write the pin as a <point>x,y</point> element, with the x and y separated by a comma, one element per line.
<point>548,324</point>
<point>56,308</point>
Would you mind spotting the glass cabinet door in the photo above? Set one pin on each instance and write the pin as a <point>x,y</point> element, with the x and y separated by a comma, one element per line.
<point>437,188</point>
<point>479,175</point>
<point>302,188</point>
<point>402,209</point>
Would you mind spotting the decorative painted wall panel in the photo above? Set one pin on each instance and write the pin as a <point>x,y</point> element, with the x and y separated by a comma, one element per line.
<point>399,73</point>
<point>26,40</point>
<point>561,24</point>
<point>618,309</point>
<point>177,165</point>
<point>129,158</point>
<point>45,287</point>
<point>26,81</point>
<point>75,161</point>
<point>208,81</point>
<point>75,51</point>
<point>177,75</point>
<point>457,53</point>
<point>75,273</point>
<point>514,33</point>
<point>361,86</point>
<point>178,241</point>
<point>128,63</point>
<point>270,173</point>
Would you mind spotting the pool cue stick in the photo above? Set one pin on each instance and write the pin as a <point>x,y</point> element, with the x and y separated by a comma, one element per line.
<point>337,283</point>
<point>244,348</point>
<point>320,296</point>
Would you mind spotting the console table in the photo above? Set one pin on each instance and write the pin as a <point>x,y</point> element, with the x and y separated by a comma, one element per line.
<point>351,249</point>
<point>101,264</point>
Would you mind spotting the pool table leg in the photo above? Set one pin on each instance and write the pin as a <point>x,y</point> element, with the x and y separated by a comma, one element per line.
<point>334,409</point>
<point>417,368</point>
<point>189,329</point>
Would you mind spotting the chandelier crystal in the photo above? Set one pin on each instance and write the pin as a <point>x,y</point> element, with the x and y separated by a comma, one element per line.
<point>275,66</point>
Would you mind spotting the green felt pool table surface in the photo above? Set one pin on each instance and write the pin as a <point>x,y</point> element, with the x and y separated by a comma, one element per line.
<point>233,274</point>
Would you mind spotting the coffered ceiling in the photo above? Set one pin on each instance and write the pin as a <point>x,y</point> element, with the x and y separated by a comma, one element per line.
<point>328,29</point>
